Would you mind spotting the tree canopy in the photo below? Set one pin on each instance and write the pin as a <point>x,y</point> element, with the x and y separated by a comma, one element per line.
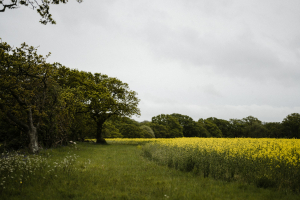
<point>54,102</point>
<point>291,125</point>
<point>25,81</point>
<point>174,129</point>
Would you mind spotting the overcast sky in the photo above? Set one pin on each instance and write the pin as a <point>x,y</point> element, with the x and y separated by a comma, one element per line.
<point>201,58</point>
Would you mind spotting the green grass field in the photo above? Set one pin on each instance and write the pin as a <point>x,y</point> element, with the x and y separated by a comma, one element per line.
<point>120,172</point>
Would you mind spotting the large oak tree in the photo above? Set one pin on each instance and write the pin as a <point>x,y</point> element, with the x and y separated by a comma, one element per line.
<point>25,80</point>
<point>101,96</point>
<point>106,97</point>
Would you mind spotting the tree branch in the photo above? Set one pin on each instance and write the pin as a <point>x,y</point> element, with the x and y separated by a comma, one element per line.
<point>22,103</point>
<point>9,6</point>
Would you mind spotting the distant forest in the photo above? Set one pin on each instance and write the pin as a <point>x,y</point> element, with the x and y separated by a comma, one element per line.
<point>43,105</point>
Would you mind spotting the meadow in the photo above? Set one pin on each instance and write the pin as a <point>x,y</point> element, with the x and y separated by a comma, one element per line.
<point>135,169</point>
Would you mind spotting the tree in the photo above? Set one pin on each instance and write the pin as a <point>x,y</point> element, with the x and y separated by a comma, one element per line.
<point>25,80</point>
<point>253,127</point>
<point>171,123</point>
<point>42,7</point>
<point>110,131</point>
<point>250,120</point>
<point>187,124</point>
<point>190,127</point>
<point>145,122</point>
<point>105,97</point>
<point>160,131</point>
<point>236,128</point>
<point>148,131</point>
<point>256,130</point>
<point>222,124</point>
<point>291,125</point>
<point>274,129</point>
<point>101,96</point>
<point>55,102</point>
<point>201,130</point>
<point>131,131</point>
<point>211,127</point>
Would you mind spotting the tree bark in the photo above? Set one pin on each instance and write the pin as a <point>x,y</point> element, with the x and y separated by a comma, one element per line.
<point>33,135</point>
<point>99,136</point>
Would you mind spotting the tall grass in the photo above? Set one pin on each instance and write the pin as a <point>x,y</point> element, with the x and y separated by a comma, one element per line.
<point>264,162</point>
<point>19,170</point>
<point>112,172</point>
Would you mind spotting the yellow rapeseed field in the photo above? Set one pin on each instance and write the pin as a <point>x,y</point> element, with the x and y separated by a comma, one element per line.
<point>265,162</point>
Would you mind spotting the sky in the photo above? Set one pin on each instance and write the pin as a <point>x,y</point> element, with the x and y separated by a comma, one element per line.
<point>227,59</point>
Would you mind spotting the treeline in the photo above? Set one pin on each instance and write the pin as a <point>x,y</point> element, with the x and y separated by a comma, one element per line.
<point>44,105</point>
<point>178,125</point>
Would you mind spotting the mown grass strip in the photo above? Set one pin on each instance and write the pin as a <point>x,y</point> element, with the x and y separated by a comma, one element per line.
<point>120,172</point>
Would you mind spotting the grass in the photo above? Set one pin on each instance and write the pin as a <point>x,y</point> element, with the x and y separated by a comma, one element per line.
<point>120,172</point>
<point>264,162</point>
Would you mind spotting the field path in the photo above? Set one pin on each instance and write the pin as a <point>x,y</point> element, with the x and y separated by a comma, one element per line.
<point>120,172</point>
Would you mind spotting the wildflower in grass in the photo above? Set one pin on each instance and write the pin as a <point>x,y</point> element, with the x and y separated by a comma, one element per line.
<point>16,170</point>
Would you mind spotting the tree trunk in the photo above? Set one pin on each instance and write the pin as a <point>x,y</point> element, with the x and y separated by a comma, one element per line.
<point>33,135</point>
<point>33,144</point>
<point>99,136</point>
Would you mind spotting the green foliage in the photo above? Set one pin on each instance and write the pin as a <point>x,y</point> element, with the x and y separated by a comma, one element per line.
<point>10,136</point>
<point>145,122</point>
<point>291,125</point>
<point>174,129</point>
<point>212,128</point>
<point>57,104</point>
<point>274,129</point>
<point>252,127</point>
<point>148,132</point>
<point>190,127</point>
<point>105,97</point>
<point>119,121</point>
<point>132,131</point>
<point>223,125</point>
<point>110,131</point>
<point>201,130</point>
<point>256,130</point>
<point>160,131</point>
<point>26,82</point>
<point>236,127</point>
<point>250,120</point>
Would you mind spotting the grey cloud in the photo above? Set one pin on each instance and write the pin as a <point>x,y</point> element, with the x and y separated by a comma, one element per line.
<point>210,89</point>
<point>227,59</point>
<point>241,56</point>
